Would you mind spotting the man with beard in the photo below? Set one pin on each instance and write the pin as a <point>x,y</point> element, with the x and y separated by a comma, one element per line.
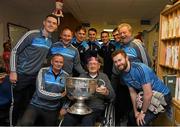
<point>139,77</point>
<point>129,45</point>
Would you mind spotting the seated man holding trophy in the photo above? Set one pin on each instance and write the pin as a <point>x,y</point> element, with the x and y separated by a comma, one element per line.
<point>103,92</point>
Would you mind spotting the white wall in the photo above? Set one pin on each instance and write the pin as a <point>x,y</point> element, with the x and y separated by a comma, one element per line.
<point>19,17</point>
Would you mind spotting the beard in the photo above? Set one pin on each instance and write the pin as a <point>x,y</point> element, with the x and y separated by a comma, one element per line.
<point>123,66</point>
<point>125,40</point>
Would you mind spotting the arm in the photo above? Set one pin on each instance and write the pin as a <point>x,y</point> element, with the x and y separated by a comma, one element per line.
<point>142,52</point>
<point>147,96</point>
<point>77,64</point>
<point>115,77</point>
<point>20,46</point>
<point>133,95</point>
<point>146,102</point>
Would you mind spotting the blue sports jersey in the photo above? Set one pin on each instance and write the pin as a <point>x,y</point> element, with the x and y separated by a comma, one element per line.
<point>71,57</point>
<point>140,74</point>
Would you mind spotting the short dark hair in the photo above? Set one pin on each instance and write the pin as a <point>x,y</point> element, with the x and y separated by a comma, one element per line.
<point>115,29</point>
<point>53,16</point>
<point>104,32</point>
<point>57,54</point>
<point>78,28</point>
<point>66,28</point>
<point>120,51</point>
<point>92,29</point>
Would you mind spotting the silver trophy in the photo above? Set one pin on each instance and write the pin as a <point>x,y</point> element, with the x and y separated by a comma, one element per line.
<point>81,89</point>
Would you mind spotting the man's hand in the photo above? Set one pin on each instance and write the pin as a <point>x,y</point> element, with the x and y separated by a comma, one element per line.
<point>102,90</point>
<point>140,119</point>
<point>63,94</point>
<point>62,112</point>
<point>13,77</point>
<point>136,114</point>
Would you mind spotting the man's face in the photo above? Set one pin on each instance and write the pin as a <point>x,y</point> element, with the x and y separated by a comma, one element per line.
<point>120,62</point>
<point>116,36</point>
<point>92,36</point>
<point>80,35</point>
<point>93,66</point>
<point>105,38</point>
<point>57,63</point>
<point>66,36</point>
<point>50,24</point>
<point>125,34</point>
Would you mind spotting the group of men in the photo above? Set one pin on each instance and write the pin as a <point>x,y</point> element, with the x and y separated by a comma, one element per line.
<point>39,93</point>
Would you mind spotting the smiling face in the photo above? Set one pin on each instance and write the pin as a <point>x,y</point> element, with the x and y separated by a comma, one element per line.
<point>120,62</point>
<point>93,65</point>
<point>50,24</point>
<point>92,35</point>
<point>57,63</point>
<point>80,35</point>
<point>125,32</point>
<point>116,36</point>
<point>66,36</point>
<point>105,37</point>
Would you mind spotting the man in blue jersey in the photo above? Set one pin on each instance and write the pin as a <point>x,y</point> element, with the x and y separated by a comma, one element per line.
<point>136,53</point>
<point>107,48</point>
<point>93,43</point>
<point>82,46</point>
<point>48,98</point>
<point>26,59</point>
<point>70,53</point>
<point>117,39</point>
<point>139,77</point>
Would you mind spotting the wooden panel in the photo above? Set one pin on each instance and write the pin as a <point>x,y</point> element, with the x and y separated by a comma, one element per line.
<point>177,116</point>
<point>176,111</point>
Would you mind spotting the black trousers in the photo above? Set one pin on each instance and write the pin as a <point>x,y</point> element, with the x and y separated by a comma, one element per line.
<point>41,116</point>
<point>82,120</point>
<point>123,104</point>
<point>22,94</point>
<point>4,116</point>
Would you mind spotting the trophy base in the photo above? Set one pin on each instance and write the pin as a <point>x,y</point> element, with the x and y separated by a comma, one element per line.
<point>79,109</point>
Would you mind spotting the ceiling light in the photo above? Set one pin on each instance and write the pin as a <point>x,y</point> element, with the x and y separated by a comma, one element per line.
<point>108,30</point>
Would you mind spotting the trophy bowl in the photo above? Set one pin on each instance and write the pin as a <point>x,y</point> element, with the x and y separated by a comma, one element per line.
<point>80,89</point>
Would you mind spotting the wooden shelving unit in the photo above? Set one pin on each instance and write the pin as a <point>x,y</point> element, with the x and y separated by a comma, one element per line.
<point>176,110</point>
<point>169,41</point>
<point>169,52</point>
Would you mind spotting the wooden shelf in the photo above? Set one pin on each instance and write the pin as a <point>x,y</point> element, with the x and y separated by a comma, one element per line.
<point>170,8</point>
<point>170,38</point>
<point>169,49</point>
<point>176,112</point>
<point>169,41</point>
<point>170,67</point>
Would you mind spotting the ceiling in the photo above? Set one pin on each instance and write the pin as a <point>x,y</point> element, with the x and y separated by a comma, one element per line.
<point>94,10</point>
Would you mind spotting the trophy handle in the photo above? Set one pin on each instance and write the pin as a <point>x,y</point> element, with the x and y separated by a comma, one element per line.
<point>100,82</point>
